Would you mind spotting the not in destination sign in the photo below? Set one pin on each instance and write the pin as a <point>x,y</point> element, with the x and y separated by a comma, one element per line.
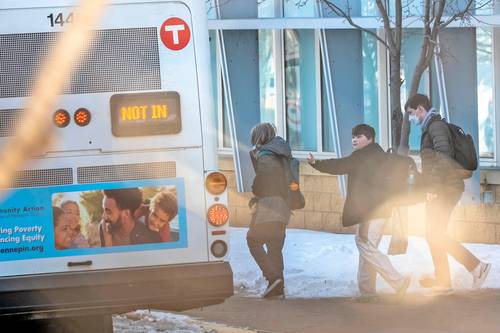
<point>144,114</point>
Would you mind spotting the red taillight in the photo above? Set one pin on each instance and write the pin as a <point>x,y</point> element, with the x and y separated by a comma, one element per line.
<point>218,214</point>
<point>61,118</point>
<point>82,117</point>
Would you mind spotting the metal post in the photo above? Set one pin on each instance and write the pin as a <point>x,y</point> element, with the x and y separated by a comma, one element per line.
<point>443,99</point>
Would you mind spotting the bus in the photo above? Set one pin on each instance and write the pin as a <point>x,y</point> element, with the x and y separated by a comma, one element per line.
<point>127,209</point>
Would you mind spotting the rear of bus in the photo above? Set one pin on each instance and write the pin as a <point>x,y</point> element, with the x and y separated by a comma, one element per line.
<point>136,114</point>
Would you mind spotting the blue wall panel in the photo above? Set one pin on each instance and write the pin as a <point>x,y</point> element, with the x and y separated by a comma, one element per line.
<point>243,69</point>
<point>242,54</point>
<point>346,63</point>
<point>237,9</point>
<point>352,7</point>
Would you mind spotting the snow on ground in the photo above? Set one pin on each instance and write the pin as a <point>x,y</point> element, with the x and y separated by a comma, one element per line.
<point>145,321</point>
<point>319,264</point>
<point>153,321</point>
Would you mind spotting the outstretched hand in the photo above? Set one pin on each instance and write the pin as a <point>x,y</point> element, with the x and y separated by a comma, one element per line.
<point>310,159</point>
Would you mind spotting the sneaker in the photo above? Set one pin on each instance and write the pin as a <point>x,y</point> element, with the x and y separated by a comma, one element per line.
<point>271,289</point>
<point>401,291</point>
<point>441,291</point>
<point>479,274</point>
<point>276,293</point>
<point>368,298</point>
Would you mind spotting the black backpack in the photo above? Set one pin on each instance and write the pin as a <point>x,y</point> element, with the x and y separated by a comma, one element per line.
<point>295,199</point>
<point>402,182</point>
<point>465,151</point>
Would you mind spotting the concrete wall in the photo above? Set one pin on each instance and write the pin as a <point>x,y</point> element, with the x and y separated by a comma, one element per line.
<point>470,223</point>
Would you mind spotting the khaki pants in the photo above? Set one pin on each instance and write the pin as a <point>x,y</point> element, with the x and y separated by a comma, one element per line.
<point>372,260</point>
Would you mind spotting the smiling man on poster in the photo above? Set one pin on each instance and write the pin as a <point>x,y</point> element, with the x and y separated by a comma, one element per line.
<point>118,225</point>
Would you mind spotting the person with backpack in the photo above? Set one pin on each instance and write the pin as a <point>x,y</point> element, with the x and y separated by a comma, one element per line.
<point>443,181</point>
<point>366,206</point>
<point>270,212</point>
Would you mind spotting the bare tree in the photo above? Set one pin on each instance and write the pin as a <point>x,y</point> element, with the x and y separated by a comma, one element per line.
<point>435,15</point>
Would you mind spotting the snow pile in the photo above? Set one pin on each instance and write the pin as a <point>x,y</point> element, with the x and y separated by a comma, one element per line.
<point>154,321</point>
<point>319,264</point>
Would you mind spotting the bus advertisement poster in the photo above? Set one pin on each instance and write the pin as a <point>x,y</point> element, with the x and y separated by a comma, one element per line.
<point>91,219</point>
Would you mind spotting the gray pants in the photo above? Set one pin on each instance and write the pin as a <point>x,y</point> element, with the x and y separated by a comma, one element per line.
<point>372,260</point>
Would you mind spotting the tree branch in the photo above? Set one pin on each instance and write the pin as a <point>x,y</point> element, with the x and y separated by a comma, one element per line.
<point>346,15</point>
<point>462,14</point>
<point>387,25</point>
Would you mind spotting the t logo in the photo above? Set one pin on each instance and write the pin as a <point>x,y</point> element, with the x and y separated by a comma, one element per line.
<point>175,33</point>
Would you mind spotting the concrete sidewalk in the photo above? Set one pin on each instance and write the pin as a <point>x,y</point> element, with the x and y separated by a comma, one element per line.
<point>459,313</point>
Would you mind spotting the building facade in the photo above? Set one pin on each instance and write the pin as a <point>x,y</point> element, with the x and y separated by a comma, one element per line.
<point>298,65</point>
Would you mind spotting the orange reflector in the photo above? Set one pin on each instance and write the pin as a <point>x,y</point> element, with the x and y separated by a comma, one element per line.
<point>294,186</point>
<point>61,118</point>
<point>216,183</point>
<point>218,215</point>
<point>82,117</point>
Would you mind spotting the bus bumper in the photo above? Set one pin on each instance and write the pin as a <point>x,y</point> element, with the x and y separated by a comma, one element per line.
<point>174,287</point>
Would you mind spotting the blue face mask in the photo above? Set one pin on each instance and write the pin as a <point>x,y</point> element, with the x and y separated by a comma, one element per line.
<point>414,120</point>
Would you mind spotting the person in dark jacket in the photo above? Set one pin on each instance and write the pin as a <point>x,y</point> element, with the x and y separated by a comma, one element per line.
<point>270,212</point>
<point>444,185</point>
<point>365,205</point>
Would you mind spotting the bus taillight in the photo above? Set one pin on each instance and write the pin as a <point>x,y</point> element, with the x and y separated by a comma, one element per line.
<point>82,117</point>
<point>61,118</point>
<point>218,215</point>
<point>216,183</point>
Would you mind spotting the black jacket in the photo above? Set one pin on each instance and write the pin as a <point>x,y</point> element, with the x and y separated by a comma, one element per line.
<point>270,185</point>
<point>365,199</point>
<point>440,171</point>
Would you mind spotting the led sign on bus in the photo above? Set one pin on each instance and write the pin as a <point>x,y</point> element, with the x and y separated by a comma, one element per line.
<point>145,114</point>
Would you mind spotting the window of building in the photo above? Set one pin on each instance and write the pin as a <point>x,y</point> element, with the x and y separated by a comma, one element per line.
<point>267,76</point>
<point>299,8</point>
<point>370,81</point>
<point>410,53</point>
<point>369,8</point>
<point>300,88</point>
<point>266,8</point>
<point>291,92</point>
<point>485,110</point>
<point>211,10</point>
<point>267,83</point>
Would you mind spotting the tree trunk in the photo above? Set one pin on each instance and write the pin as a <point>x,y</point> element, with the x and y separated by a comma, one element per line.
<point>395,95</point>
